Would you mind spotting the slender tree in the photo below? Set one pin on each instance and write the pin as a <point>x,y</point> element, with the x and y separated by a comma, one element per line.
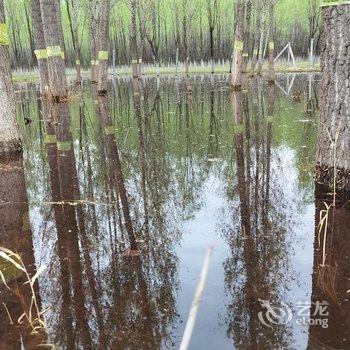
<point>103,47</point>
<point>271,77</point>
<point>236,77</point>
<point>73,24</point>
<point>93,8</point>
<point>261,53</point>
<point>133,40</point>
<point>247,29</point>
<point>10,140</point>
<point>213,17</point>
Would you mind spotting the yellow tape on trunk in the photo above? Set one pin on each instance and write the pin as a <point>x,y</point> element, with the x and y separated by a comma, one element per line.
<point>238,46</point>
<point>140,60</point>
<point>4,39</point>
<point>134,61</point>
<point>94,63</point>
<point>26,222</point>
<point>334,3</point>
<point>40,54</point>
<point>64,145</point>
<point>245,54</point>
<point>77,62</point>
<point>255,52</point>
<point>103,55</point>
<point>54,51</point>
<point>63,55</point>
<point>109,130</point>
<point>271,45</point>
<point>50,138</point>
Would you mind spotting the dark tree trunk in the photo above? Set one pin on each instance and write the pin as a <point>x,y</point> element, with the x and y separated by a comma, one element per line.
<point>333,156</point>
<point>10,140</point>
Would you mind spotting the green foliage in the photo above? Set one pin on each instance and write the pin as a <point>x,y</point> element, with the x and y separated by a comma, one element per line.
<point>291,18</point>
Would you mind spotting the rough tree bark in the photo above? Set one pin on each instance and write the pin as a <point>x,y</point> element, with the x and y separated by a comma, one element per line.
<point>94,6</point>
<point>73,24</point>
<point>40,45</point>
<point>133,40</point>
<point>247,28</point>
<point>333,156</point>
<point>262,15</point>
<point>10,140</point>
<point>53,39</point>
<point>236,77</point>
<point>271,75</point>
<point>104,48</point>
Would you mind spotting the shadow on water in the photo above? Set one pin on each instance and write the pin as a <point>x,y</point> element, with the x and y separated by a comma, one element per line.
<point>120,197</point>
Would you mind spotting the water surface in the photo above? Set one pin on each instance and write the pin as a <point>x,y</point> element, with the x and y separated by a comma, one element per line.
<point>123,196</point>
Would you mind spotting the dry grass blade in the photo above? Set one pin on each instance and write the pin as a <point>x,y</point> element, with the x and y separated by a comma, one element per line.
<point>7,257</point>
<point>32,313</point>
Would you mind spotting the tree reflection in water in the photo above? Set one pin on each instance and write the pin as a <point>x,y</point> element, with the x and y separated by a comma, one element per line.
<point>112,181</point>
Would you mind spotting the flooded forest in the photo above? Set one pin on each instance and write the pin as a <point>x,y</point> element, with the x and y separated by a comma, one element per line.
<point>174,174</point>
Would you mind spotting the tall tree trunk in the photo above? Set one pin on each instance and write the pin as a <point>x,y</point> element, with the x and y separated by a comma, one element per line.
<point>10,140</point>
<point>133,40</point>
<point>54,41</point>
<point>104,48</point>
<point>73,23</point>
<point>248,15</point>
<point>333,156</point>
<point>262,9</point>
<point>271,76</point>
<point>40,45</point>
<point>94,6</point>
<point>236,77</point>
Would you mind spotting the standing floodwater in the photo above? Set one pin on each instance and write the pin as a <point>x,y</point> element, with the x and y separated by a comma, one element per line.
<point>127,192</point>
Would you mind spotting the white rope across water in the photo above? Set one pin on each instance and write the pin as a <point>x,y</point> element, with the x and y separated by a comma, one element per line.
<point>195,303</point>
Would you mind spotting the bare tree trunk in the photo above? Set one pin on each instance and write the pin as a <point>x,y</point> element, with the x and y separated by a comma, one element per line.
<point>104,48</point>
<point>271,76</point>
<point>54,39</point>
<point>40,45</point>
<point>73,23</point>
<point>94,6</point>
<point>333,157</point>
<point>236,77</point>
<point>262,9</point>
<point>10,139</point>
<point>248,15</point>
<point>133,40</point>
